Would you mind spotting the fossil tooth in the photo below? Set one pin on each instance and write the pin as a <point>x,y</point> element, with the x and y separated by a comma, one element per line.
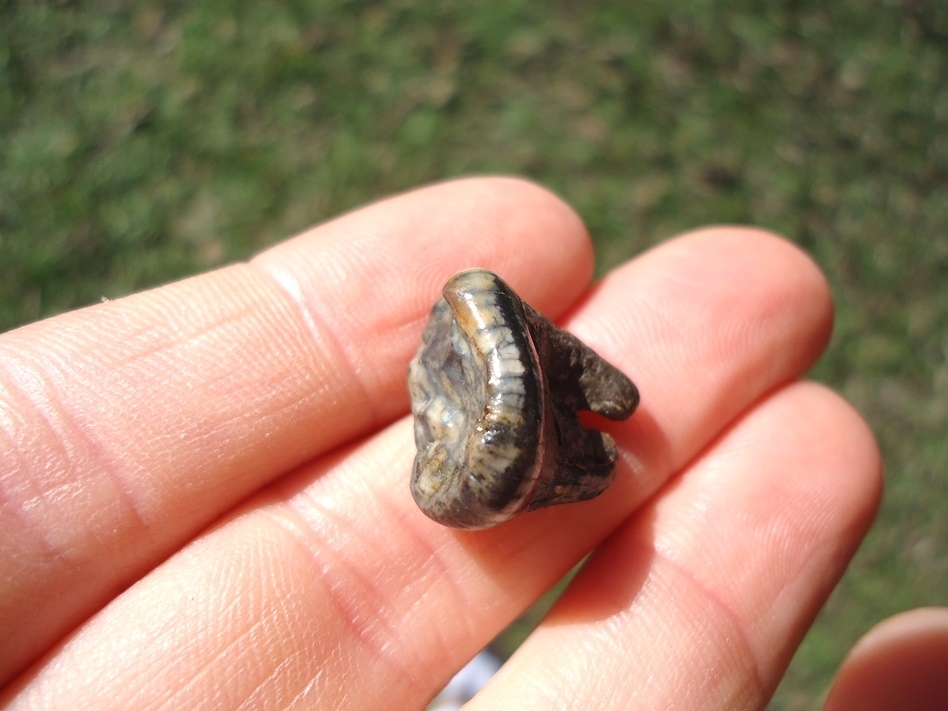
<point>496,389</point>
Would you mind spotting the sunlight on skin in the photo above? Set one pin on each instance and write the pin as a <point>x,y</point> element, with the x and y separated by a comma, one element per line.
<point>901,663</point>
<point>223,493</point>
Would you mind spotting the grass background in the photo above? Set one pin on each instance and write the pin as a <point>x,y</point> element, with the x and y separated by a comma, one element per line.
<point>142,142</point>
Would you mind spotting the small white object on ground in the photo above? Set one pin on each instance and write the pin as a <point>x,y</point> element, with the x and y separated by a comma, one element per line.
<point>467,682</point>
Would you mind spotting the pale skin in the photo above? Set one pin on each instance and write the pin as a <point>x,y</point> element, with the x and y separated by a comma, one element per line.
<point>204,488</point>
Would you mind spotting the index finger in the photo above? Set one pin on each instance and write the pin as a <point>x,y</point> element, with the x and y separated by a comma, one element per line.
<point>131,425</point>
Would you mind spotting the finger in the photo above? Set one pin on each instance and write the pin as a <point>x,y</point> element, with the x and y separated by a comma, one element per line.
<point>899,664</point>
<point>700,600</point>
<point>352,583</point>
<point>130,425</point>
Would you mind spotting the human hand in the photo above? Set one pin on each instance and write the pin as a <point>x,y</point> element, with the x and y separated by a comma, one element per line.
<point>205,486</point>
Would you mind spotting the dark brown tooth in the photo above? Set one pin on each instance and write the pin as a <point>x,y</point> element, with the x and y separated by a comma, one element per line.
<point>496,389</point>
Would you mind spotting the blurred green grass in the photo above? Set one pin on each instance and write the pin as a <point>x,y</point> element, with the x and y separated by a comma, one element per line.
<point>143,143</point>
